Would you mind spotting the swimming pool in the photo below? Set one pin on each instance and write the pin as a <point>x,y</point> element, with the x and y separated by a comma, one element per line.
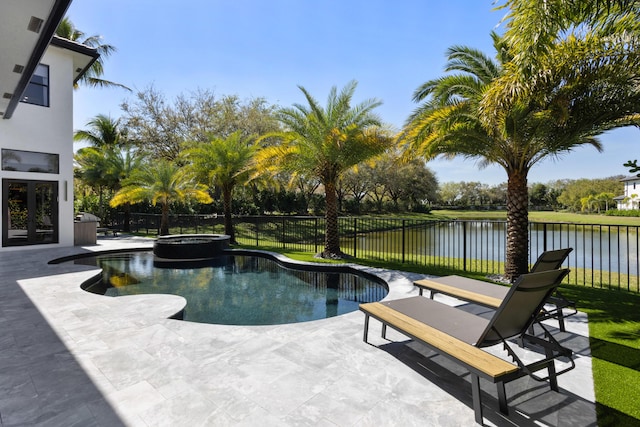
<point>239,289</point>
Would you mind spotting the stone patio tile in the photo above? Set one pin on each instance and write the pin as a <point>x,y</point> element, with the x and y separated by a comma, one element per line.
<point>71,358</point>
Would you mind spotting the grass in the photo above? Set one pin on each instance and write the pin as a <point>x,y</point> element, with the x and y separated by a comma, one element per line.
<point>538,216</point>
<point>614,330</point>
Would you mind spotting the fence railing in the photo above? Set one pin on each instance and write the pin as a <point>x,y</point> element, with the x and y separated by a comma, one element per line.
<point>603,255</point>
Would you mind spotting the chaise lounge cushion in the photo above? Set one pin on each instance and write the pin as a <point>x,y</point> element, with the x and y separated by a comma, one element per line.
<point>464,326</point>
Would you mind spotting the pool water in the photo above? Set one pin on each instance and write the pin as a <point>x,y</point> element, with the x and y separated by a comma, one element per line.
<point>239,290</point>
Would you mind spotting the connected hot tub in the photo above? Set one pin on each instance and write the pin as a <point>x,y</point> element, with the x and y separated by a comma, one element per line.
<point>190,246</point>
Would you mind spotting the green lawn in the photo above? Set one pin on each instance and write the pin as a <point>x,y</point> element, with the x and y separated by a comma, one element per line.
<point>538,216</point>
<point>614,329</point>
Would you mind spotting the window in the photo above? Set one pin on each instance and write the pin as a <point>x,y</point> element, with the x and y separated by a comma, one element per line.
<point>37,91</point>
<point>29,161</point>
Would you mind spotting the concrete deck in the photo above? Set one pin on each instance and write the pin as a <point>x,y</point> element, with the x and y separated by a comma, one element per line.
<point>71,358</point>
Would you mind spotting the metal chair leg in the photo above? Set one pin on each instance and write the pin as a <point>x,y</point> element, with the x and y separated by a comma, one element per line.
<point>475,392</point>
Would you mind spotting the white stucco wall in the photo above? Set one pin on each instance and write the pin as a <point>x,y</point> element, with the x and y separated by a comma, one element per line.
<point>631,195</point>
<point>49,130</point>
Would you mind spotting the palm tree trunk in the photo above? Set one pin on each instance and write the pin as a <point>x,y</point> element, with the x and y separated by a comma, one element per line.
<point>517,225</point>
<point>164,221</point>
<point>228,221</point>
<point>100,206</point>
<point>332,237</point>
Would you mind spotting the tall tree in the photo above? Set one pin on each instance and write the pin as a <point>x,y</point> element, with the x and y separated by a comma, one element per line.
<point>449,122</point>
<point>325,142</point>
<point>576,63</point>
<point>411,183</point>
<point>161,182</point>
<point>93,76</point>
<point>224,163</point>
<point>163,126</point>
<point>357,184</point>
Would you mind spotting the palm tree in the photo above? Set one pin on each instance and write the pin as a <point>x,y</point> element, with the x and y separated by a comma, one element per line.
<point>587,203</point>
<point>109,167</point>
<point>535,27</point>
<point>224,163</point>
<point>161,182</point>
<point>576,64</point>
<point>121,164</point>
<point>102,132</point>
<point>323,143</point>
<point>449,122</point>
<point>589,50</point>
<point>91,169</point>
<point>104,136</point>
<point>92,77</point>
<point>604,199</point>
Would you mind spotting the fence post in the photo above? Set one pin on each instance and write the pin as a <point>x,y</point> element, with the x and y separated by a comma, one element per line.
<point>544,236</point>
<point>284,222</point>
<point>403,240</point>
<point>355,237</point>
<point>464,245</point>
<point>257,226</point>
<point>315,236</point>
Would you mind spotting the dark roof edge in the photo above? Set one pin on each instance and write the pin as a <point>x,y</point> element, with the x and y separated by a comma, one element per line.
<point>57,13</point>
<point>630,178</point>
<point>79,48</point>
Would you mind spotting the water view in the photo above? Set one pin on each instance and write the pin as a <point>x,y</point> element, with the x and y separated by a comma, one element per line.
<point>596,247</point>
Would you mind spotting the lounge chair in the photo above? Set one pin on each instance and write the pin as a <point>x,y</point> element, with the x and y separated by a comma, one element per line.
<point>491,295</point>
<point>460,335</point>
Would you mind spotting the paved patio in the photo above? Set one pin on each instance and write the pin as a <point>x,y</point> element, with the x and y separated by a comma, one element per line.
<point>71,358</point>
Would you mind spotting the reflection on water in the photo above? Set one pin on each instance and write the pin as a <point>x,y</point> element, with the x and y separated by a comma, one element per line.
<point>242,290</point>
<point>596,247</point>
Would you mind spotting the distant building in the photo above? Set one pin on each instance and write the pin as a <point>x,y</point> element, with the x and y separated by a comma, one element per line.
<point>631,197</point>
<point>37,74</point>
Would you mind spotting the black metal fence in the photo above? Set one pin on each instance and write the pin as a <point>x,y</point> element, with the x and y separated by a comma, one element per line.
<point>603,255</point>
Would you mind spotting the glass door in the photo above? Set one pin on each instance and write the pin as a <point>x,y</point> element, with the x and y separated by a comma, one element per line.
<point>31,212</point>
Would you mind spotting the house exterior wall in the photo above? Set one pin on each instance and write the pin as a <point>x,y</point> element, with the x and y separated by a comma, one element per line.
<point>49,130</point>
<point>631,197</point>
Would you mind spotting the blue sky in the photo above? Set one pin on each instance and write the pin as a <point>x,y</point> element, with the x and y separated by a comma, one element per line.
<point>266,48</point>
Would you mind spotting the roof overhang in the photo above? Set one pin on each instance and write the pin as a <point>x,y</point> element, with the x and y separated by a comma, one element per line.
<point>630,178</point>
<point>26,29</point>
<point>83,56</point>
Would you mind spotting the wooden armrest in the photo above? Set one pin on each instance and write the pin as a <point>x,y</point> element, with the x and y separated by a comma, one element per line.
<point>469,355</point>
<point>459,293</point>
